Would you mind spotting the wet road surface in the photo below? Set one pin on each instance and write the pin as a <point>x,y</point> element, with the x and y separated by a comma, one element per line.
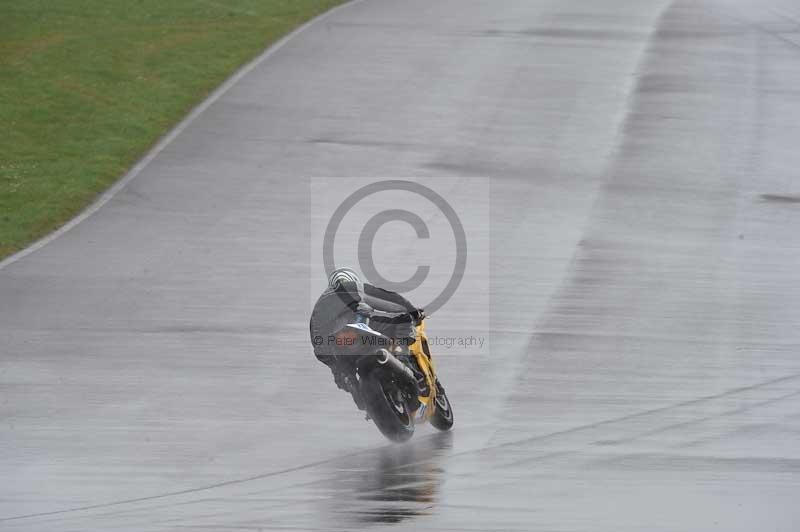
<point>641,365</point>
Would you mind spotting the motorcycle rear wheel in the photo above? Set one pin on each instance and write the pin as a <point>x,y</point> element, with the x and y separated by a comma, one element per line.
<point>388,408</point>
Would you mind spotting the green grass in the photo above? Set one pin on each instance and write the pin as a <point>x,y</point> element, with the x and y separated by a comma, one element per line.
<point>87,86</point>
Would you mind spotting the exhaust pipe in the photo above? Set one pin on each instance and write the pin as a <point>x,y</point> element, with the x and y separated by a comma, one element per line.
<point>383,360</point>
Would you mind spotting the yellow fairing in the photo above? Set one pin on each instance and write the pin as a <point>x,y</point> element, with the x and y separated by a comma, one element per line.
<point>421,352</point>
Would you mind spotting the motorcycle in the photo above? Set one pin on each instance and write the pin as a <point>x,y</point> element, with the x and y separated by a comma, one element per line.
<point>395,396</point>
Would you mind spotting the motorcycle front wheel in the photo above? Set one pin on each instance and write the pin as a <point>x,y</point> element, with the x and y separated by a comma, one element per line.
<point>388,408</point>
<point>442,417</point>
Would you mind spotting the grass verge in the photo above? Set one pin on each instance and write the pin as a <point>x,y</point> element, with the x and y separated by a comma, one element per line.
<point>87,86</point>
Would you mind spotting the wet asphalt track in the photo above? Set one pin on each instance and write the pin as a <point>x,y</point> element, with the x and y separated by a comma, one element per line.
<point>644,362</point>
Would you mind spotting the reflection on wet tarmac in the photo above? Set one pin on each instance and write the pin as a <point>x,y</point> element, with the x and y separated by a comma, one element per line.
<point>390,485</point>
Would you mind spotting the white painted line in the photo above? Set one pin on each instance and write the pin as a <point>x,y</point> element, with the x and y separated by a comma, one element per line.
<point>169,137</point>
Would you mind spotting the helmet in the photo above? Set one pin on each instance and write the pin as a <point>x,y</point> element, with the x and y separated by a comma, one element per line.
<point>342,277</point>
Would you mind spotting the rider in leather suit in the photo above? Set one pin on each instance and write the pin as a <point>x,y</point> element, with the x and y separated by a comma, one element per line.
<point>347,298</point>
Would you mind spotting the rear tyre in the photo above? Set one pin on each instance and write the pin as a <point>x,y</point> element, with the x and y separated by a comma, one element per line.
<point>388,408</point>
<point>442,417</point>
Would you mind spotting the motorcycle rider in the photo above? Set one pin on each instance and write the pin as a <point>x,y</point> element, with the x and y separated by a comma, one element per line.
<point>348,299</point>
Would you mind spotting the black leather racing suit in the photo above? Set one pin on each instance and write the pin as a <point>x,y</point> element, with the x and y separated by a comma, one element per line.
<point>388,312</point>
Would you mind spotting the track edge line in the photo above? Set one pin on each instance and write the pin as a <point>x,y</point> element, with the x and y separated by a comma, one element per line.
<point>167,139</point>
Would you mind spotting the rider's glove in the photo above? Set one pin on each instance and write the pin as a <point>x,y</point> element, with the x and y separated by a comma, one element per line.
<point>418,315</point>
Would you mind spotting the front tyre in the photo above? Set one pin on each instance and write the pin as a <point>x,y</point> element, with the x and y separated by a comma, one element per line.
<point>442,417</point>
<point>388,408</point>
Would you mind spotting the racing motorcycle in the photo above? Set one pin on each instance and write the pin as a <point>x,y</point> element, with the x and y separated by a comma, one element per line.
<point>396,383</point>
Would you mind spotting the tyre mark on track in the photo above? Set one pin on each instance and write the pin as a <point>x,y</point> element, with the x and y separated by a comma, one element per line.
<point>187,491</point>
<point>642,414</point>
<point>492,448</point>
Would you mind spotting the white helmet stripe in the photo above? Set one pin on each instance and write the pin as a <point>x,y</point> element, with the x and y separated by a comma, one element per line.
<point>342,275</point>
